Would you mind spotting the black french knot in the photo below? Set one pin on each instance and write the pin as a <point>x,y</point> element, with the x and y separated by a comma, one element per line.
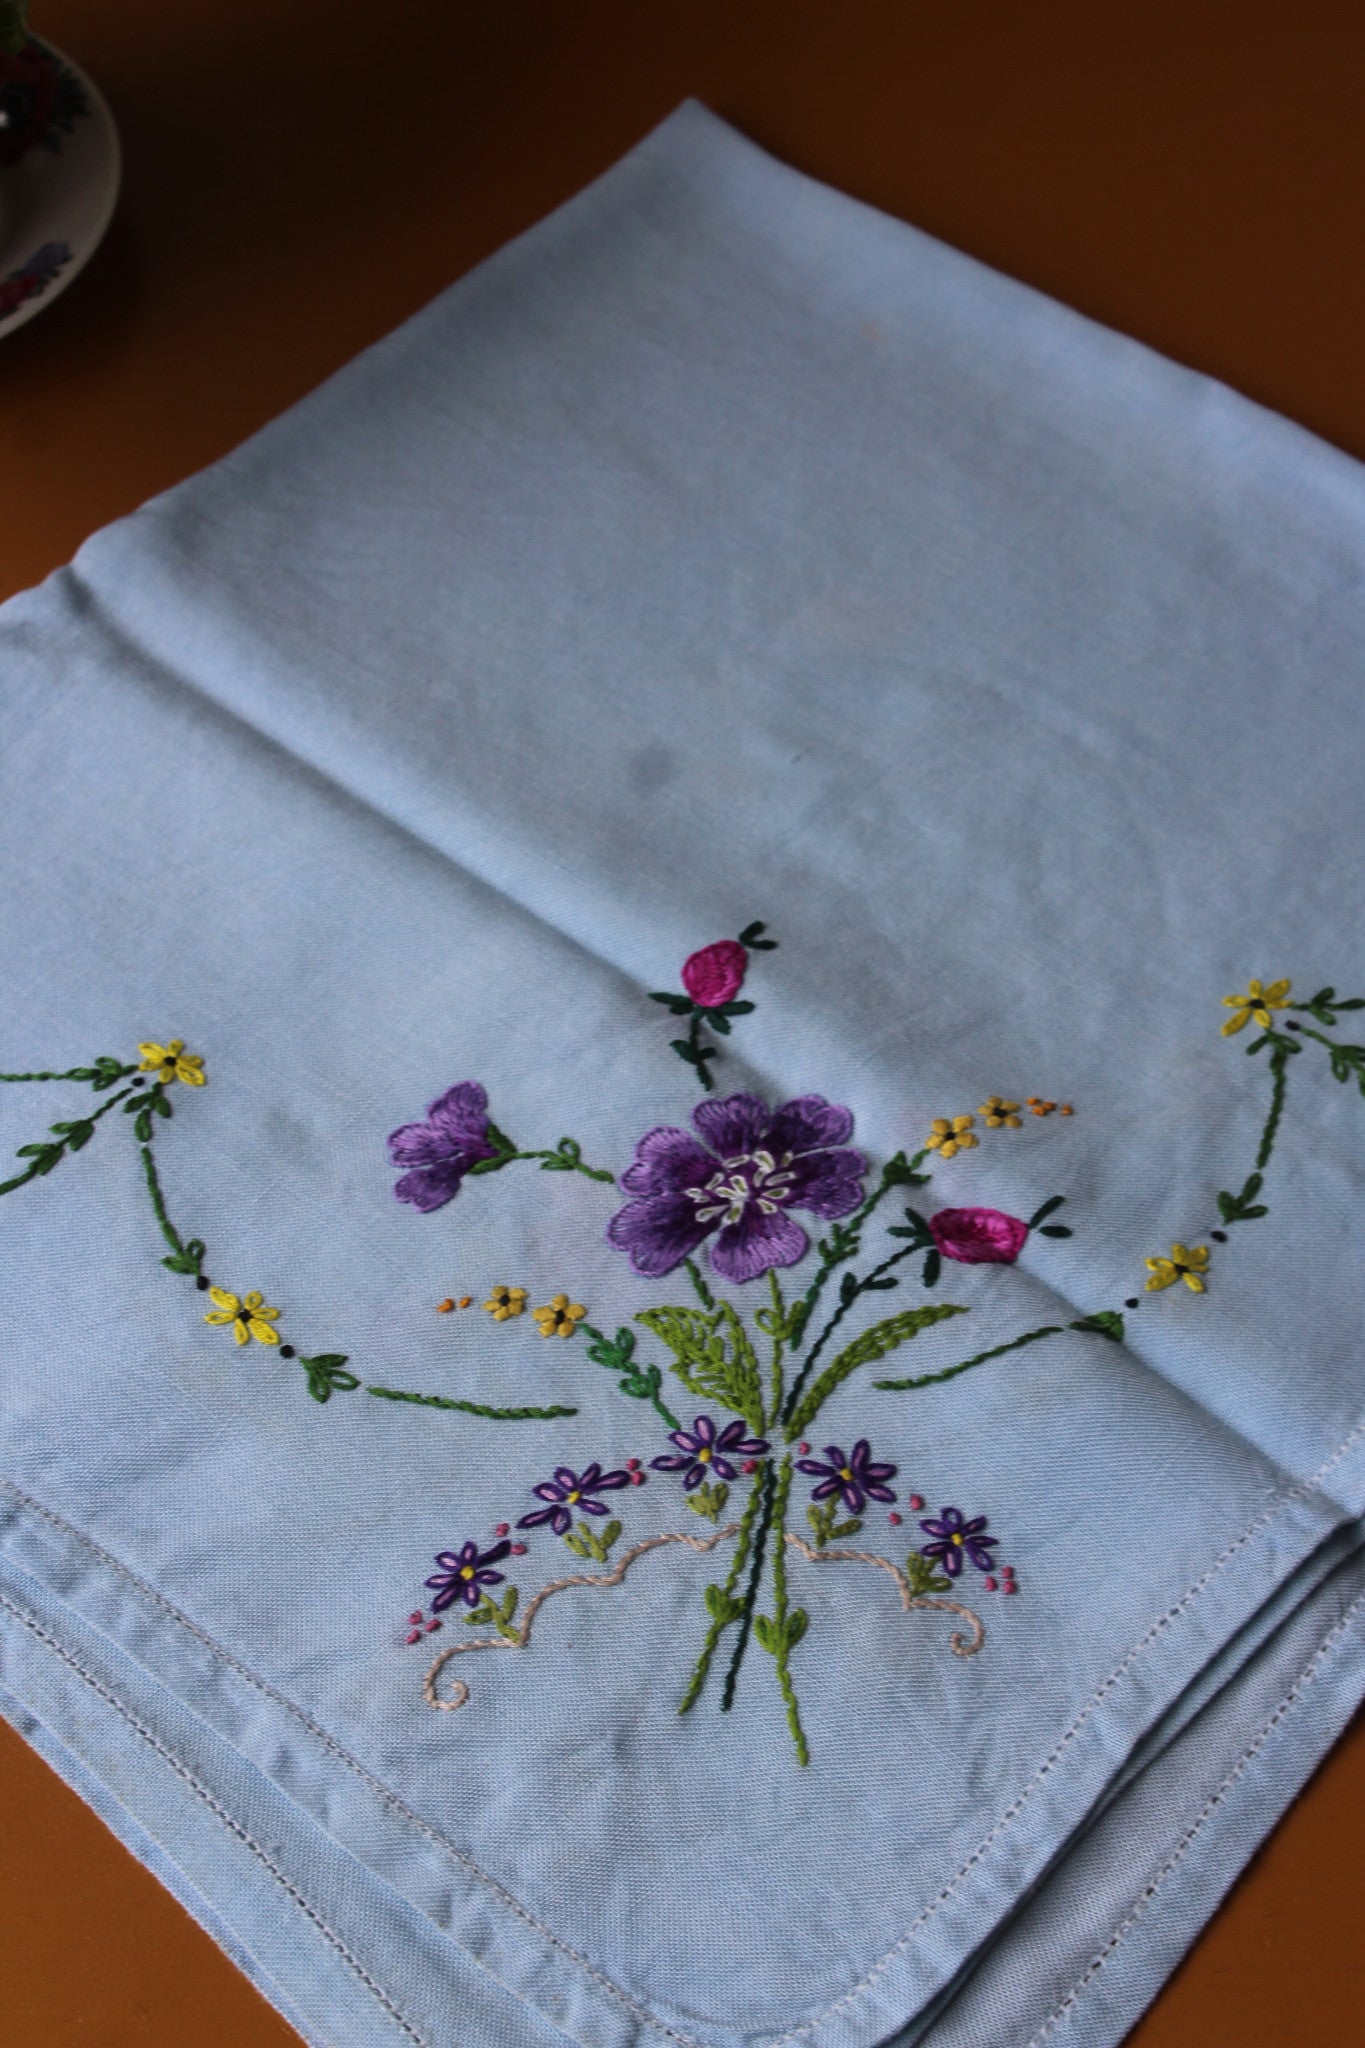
<point>1219,1236</point>
<point>1291,1026</point>
<point>287,1351</point>
<point>203,1283</point>
<point>138,1081</point>
<point>1132,1301</point>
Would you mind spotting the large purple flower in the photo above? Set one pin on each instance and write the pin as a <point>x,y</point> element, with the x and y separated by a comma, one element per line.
<point>569,1490</point>
<point>762,1163</point>
<point>465,1573</point>
<point>956,1539</point>
<point>854,1478</point>
<point>701,1452</point>
<point>442,1150</point>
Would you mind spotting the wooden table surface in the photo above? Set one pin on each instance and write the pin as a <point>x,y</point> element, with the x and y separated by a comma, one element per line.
<point>302,175</point>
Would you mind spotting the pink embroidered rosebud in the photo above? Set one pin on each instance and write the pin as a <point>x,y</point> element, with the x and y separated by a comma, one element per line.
<point>978,1237</point>
<point>715,975</point>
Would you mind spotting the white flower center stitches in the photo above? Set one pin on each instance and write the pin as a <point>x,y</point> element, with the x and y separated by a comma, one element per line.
<point>750,1177</point>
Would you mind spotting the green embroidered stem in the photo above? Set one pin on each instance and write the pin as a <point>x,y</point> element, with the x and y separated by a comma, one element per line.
<point>870,1344</point>
<point>721,1602</point>
<point>844,1239</point>
<point>848,1295</point>
<point>780,1634</point>
<point>1279,1060</point>
<point>567,1157</point>
<point>777,1333</point>
<point>746,1614</point>
<point>104,1074</point>
<point>185,1258</point>
<point>703,1292</point>
<point>68,1136</point>
<point>930,1379</point>
<point>472,1407</point>
<point>617,1354</point>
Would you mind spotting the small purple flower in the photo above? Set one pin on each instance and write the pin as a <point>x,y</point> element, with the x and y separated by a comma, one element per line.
<point>855,1479</point>
<point>568,1491</point>
<point>442,1150</point>
<point>957,1539</point>
<point>464,1573</point>
<point>762,1162</point>
<point>701,1452</point>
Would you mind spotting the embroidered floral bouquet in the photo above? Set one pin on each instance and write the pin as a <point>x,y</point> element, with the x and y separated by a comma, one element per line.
<point>762,1341</point>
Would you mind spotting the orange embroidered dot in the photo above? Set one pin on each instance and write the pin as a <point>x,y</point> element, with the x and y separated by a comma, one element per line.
<point>443,1308</point>
<point>465,1299</point>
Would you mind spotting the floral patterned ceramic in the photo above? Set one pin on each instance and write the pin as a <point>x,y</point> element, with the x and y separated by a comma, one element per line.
<point>59,178</point>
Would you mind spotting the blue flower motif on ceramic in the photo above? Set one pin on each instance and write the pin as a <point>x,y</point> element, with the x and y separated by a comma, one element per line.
<point>761,1164</point>
<point>701,1454</point>
<point>855,1478</point>
<point>464,1573</point>
<point>440,1152</point>
<point>571,1493</point>
<point>955,1538</point>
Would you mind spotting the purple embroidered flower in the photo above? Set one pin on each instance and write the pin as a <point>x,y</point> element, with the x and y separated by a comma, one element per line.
<point>956,1539</point>
<point>701,1452</point>
<point>442,1150</point>
<point>854,1478</point>
<point>464,1573</point>
<point>762,1163</point>
<point>570,1491</point>
<point>715,974</point>
<point>978,1237</point>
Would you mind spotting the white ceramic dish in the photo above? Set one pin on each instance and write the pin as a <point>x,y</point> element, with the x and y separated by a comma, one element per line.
<point>56,202</point>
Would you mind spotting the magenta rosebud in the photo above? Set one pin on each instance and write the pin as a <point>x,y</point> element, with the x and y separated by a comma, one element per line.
<point>978,1237</point>
<point>715,975</point>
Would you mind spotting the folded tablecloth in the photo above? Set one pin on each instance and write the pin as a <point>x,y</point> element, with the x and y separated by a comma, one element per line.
<point>631,945</point>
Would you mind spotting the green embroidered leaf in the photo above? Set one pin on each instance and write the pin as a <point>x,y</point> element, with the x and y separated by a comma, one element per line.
<point>1039,1215</point>
<point>821,1515</point>
<point>326,1373</point>
<point>779,1638</point>
<point>923,1578</point>
<point>722,1607</point>
<point>872,1344</point>
<point>576,1543</point>
<point>681,1006</point>
<point>709,1500</point>
<point>712,1356</point>
<point>1106,1322</point>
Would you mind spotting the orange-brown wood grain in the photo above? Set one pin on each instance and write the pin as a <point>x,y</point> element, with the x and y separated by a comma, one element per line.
<point>301,175</point>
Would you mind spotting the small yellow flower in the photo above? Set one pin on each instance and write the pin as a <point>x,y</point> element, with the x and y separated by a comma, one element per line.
<point>172,1063</point>
<point>1258,1002</point>
<point>250,1317</point>
<point>558,1317</point>
<point>506,1301</point>
<point>949,1135</point>
<point>1183,1264</point>
<point>998,1113</point>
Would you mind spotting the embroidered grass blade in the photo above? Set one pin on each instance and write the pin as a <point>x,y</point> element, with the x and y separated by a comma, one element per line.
<point>712,1356</point>
<point>871,1344</point>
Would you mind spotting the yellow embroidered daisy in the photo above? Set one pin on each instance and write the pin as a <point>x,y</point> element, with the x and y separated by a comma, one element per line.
<point>999,1114</point>
<point>172,1063</point>
<point>251,1316</point>
<point>558,1317</point>
<point>949,1135</point>
<point>506,1301</point>
<point>1183,1264</point>
<point>1257,1003</point>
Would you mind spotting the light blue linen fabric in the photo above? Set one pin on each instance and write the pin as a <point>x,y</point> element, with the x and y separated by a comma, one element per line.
<point>719,551</point>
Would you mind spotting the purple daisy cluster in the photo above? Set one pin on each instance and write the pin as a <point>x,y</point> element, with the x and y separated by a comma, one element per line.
<point>954,1537</point>
<point>856,1479</point>
<point>703,1453</point>
<point>735,1182</point>
<point>573,1493</point>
